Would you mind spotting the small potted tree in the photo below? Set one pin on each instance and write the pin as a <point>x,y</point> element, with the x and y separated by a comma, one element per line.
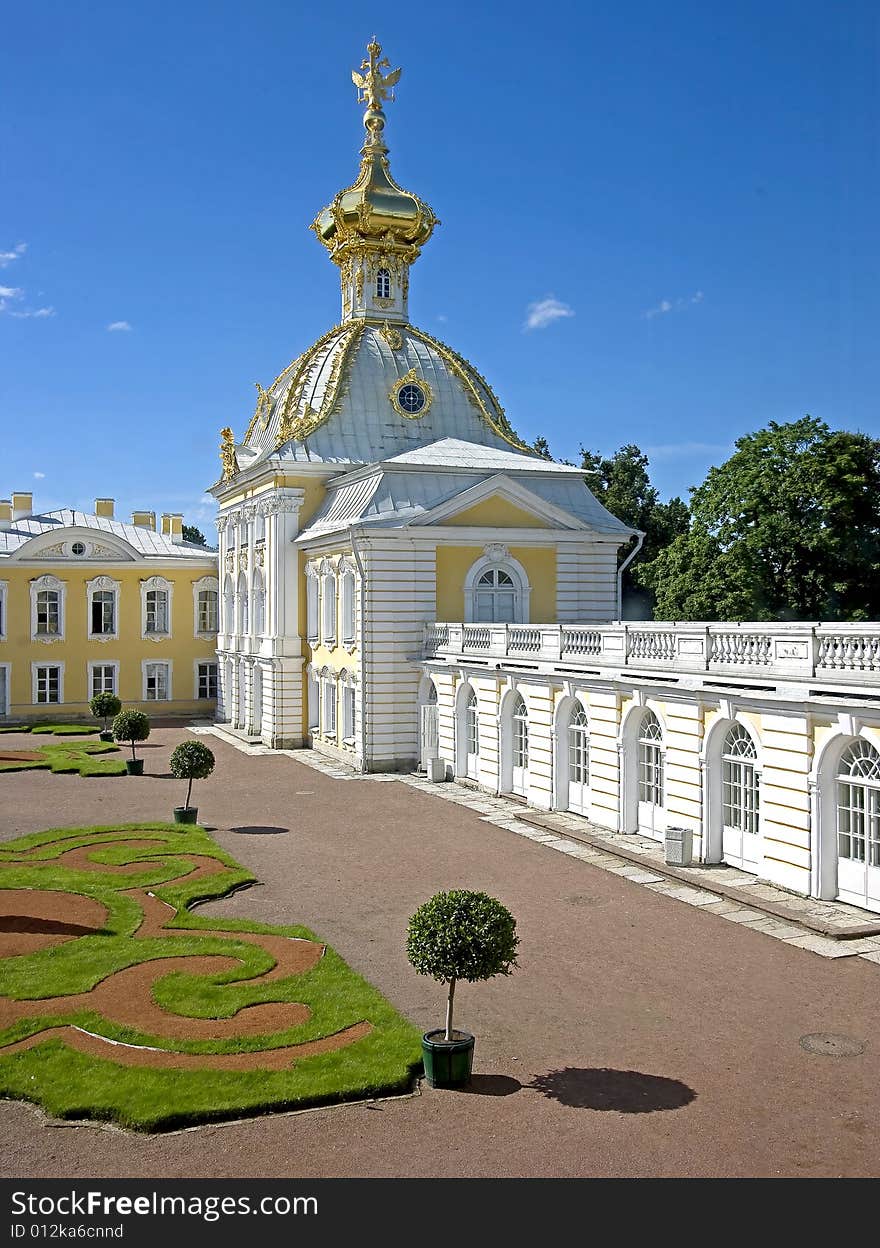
<point>191,760</point>
<point>132,726</point>
<point>458,935</point>
<point>105,706</point>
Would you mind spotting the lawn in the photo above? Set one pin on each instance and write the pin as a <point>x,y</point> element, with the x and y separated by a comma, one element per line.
<point>58,730</point>
<point>65,759</point>
<point>119,1003</point>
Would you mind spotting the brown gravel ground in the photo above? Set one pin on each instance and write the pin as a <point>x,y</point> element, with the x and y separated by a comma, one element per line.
<point>640,1036</point>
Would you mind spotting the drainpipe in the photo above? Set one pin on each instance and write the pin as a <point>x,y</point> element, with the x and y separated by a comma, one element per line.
<point>640,541</point>
<point>363,579</point>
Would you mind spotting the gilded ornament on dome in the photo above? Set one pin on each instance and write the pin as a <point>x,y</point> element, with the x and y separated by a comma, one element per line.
<point>227,454</point>
<point>392,336</point>
<point>263,405</point>
<point>380,301</point>
<point>359,283</point>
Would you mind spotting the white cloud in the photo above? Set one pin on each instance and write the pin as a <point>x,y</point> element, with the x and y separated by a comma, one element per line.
<point>33,314</point>
<point>7,257</point>
<point>669,305</point>
<point>11,292</point>
<point>544,312</point>
<point>116,327</point>
<point>38,476</point>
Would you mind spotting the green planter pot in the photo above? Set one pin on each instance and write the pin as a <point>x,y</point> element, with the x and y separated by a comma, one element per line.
<point>134,766</point>
<point>448,1063</point>
<point>105,736</point>
<point>186,814</point>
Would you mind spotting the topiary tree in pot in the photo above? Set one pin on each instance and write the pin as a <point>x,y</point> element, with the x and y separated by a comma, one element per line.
<point>458,935</point>
<point>132,726</point>
<point>104,706</point>
<point>191,760</point>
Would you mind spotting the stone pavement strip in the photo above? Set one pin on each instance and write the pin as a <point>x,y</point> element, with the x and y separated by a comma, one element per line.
<point>830,929</point>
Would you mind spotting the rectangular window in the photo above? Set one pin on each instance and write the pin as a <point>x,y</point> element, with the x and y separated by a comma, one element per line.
<point>328,600</point>
<point>207,680</point>
<point>157,611</point>
<point>312,608</point>
<point>208,622</point>
<point>103,678</point>
<point>2,622</point>
<point>156,682</point>
<point>313,703</point>
<point>348,714</point>
<point>329,708</point>
<point>48,612</point>
<point>48,684</point>
<point>103,613</point>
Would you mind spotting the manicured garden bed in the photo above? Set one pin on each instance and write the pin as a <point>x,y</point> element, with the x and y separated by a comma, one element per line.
<point>58,730</point>
<point>119,1003</point>
<point>66,759</point>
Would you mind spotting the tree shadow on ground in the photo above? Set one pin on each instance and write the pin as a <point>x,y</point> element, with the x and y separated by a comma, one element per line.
<point>491,1085</point>
<point>259,830</point>
<point>602,1088</point>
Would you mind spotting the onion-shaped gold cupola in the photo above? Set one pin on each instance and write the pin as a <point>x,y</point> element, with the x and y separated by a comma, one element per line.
<point>374,230</point>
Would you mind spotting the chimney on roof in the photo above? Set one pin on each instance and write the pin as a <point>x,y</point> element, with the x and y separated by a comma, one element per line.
<point>144,519</point>
<point>172,526</point>
<point>104,507</point>
<point>22,504</point>
<point>5,514</point>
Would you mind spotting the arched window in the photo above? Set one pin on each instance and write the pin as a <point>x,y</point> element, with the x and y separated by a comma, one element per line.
<point>496,591</point>
<point>471,730</point>
<point>328,600</point>
<point>228,606</point>
<point>519,741</point>
<point>242,604</point>
<point>578,747</point>
<point>348,612</point>
<point>383,284</point>
<point>311,605</point>
<point>259,605</point>
<point>739,782</point>
<point>858,806</point>
<point>650,775</point>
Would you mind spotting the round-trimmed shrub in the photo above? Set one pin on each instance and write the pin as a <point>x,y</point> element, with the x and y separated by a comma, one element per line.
<point>191,760</point>
<point>131,726</point>
<point>105,705</point>
<point>461,935</point>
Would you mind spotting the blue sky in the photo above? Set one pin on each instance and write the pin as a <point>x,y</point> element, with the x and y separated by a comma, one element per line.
<point>691,188</point>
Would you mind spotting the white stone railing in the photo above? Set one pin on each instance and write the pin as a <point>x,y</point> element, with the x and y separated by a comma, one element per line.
<point>834,653</point>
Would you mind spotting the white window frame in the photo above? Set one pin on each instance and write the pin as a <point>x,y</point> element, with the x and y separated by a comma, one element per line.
<point>102,585</point>
<point>313,605</point>
<point>328,606</point>
<point>51,584</point>
<point>4,706</point>
<point>197,664</point>
<point>503,562</point>
<point>383,283</point>
<point>206,584</point>
<point>35,668</point>
<point>4,597</point>
<point>146,664</point>
<point>150,585</point>
<point>328,706</point>
<point>347,594</point>
<point>314,700</point>
<point>91,666</point>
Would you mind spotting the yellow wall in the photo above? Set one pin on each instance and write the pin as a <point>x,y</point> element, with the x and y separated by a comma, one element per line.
<point>320,656</point>
<point>454,562</point>
<point>497,513</point>
<point>76,651</point>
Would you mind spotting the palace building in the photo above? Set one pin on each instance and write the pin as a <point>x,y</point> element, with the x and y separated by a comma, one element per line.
<point>89,604</point>
<point>404,583</point>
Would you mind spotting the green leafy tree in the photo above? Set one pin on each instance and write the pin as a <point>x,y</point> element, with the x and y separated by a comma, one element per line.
<point>461,935</point>
<point>131,726</point>
<point>621,482</point>
<point>542,447</point>
<point>193,535</point>
<point>787,528</point>
<point>103,705</point>
<point>191,760</point>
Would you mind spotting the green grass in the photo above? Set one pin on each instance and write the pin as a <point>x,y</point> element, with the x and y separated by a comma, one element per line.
<point>72,1085</point>
<point>68,759</point>
<point>68,730</point>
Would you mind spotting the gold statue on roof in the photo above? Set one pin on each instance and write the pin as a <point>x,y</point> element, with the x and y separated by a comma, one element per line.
<point>374,86</point>
<point>227,454</point>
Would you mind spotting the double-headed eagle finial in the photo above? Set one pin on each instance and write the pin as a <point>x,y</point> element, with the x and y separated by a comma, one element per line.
<point>374,86</point>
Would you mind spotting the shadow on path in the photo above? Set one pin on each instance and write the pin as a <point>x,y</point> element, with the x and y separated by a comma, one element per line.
<point>491,1085</point>
<point>259,830</point>
<point>627,1091</point>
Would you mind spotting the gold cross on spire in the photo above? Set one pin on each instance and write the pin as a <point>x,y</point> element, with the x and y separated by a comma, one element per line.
<point>374,86</point>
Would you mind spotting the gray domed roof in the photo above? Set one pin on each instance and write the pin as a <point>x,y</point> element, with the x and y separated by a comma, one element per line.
<point>335,404</point>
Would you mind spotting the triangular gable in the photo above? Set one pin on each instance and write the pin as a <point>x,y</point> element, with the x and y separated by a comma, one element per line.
<point>524,509</point>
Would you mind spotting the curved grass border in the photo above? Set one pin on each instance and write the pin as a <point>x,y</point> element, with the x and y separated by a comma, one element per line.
<point>69,759</point>
<point>70,1084</point>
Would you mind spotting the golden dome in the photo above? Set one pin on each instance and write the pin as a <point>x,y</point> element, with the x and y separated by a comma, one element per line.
<point>375,212</point>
